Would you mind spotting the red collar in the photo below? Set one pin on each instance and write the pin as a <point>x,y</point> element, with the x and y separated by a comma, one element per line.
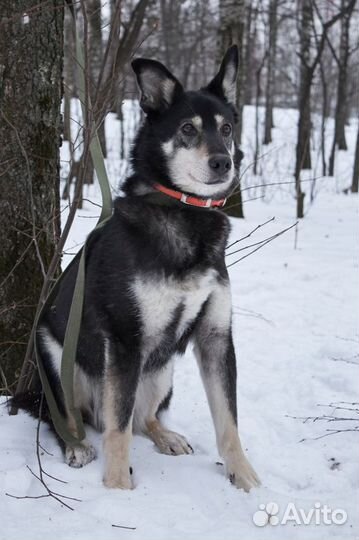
<point>188,199</point>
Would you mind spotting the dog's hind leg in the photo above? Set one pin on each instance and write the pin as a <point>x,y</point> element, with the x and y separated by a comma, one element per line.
<point>51,352</point>
<point>122,371</point>
<point>153,395</point>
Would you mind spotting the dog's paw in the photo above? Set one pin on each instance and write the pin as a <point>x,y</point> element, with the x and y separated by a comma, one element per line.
<point>241,474</point>
<point>119,480</point>
<point>78,456</point>
<point>172,444</point>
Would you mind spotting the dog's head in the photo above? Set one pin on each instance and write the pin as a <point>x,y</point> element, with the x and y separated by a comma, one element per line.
<point>187,141</point>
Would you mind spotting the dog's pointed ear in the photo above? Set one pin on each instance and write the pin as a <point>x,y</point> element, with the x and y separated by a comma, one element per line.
<point>159,88</point>
<point>224,83</point>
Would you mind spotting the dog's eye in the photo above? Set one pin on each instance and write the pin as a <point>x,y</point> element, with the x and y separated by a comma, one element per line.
<point>226,130</point>
<point>188,129</point>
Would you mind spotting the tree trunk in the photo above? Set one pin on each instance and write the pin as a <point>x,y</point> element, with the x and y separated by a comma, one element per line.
<point>231,31</point>
<point>258,96</point>
<point>303,160</point>
<point>93,12</point>
<point>96,56</point>
<point>250,36</point>
<point>31,61</point>
<point>306,80</point>
<point>166,11</point>
<point>232,16</point>
<point>325,110</point>
<point>355,181</point>
<point>68,74</point>
<point>306,76</point>
<point>339,139</point>
<point>271,58</point>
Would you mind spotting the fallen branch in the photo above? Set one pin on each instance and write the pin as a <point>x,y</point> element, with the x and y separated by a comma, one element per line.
<point>346,360</point>
<point>123,527</point>
<point>354,408</point>
<point>59,497</point>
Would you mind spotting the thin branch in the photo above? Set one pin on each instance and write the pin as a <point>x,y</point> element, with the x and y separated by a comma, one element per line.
<point>264,243</point>
<point>329,432</point>
<point>123,527</point>
<point>59,497</point>
<point>250,233</point>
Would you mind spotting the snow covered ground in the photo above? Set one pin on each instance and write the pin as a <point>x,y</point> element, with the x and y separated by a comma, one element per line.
<point>295,321</point>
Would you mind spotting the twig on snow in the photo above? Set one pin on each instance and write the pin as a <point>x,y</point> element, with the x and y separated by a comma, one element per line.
<point>59,497</point>
<point>123,527</point>
<point>332,418</point>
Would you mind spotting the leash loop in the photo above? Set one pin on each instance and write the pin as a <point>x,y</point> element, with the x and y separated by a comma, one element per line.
<point>75,315</point>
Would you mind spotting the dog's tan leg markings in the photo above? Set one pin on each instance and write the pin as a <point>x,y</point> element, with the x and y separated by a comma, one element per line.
<point>116,443</point>
<point>216,358</point>
<point>168,442</point>
<point>152,390</point>
<point>116,448</point>
<point>238,468</point>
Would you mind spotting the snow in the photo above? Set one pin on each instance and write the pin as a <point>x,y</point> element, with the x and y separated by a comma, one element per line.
<point>295,323</point>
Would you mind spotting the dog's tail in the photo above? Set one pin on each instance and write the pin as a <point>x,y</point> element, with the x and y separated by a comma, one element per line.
<point>33,402</point>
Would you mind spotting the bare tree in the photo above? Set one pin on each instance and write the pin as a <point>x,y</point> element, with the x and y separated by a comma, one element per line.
<point>308,68</point>
<point>93,8</point>
<point>303,160</point>
<point>104,75</point>
<point>31,61</point>
<point>339,139</point>
<point>355,180</point>
<point>231,31</point>
<point>324,82</point>
<point>251,15</point>
<point>271,62</point>
<point>68,74</point>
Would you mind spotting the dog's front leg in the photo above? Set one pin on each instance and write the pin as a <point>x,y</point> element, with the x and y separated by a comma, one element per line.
<point>216,358</point>
<point>122,369</point>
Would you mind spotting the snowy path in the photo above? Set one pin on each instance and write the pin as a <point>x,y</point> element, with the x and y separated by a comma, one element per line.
<point>295,315</point>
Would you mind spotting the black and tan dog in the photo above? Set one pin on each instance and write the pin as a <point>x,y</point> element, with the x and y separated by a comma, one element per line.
<point>156,279</point>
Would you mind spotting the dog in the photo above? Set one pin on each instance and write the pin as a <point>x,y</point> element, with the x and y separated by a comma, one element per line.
<point>156,279</point>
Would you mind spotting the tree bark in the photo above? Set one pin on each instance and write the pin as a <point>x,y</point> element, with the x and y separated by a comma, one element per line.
<point>355,180</point>
<point>68,75</point>
<point>325,109</point>
<point>303,160</point>
<point>250,38</point>
<point>339,139</point>
<point>231,31</point>
<point>31,62</point>
<point>258,96</point>
<point>232,17</point>
<point>95,55</point>
<point>271,59</point>
<point>306,77</point>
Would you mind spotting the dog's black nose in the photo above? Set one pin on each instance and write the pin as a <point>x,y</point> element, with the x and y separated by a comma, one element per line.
<point>220,163</point>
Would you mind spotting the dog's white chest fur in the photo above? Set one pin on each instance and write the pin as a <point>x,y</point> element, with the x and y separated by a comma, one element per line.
<point>158,300</point>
